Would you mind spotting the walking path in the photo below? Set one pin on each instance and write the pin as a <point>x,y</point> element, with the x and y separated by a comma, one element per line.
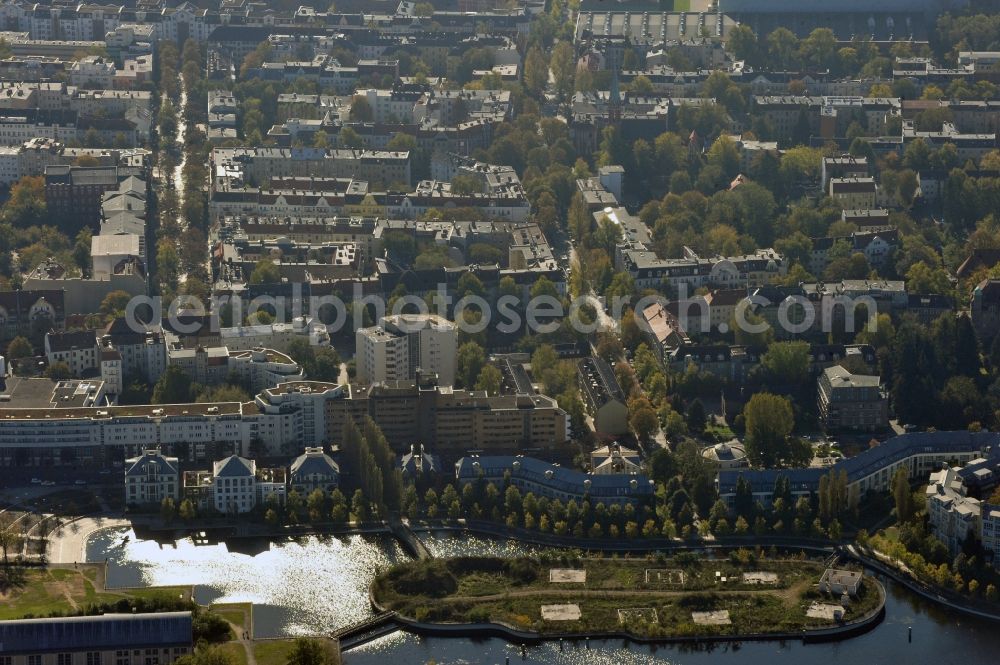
<point>244,639</point>
<point>68,543</point>
<point>787,594</point>
<point>401,530</point>
<point>899,573</point>
<point>177,177</point>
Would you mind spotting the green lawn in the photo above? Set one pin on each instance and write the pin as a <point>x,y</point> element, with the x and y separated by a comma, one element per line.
<point>272,652</point>
<point>719,432</point>
<point>237,614</point>
<point>236,650</point>
<point>176,591</point>
<point>62,575</point>
<point>682,5</point>
<point>276,652</point>
<point>42,592</point>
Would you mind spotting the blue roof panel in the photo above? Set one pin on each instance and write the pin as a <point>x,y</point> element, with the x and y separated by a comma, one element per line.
<point>108,631</point>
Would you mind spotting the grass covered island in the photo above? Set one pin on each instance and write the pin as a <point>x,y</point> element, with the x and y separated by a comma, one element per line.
<point>652,598</point>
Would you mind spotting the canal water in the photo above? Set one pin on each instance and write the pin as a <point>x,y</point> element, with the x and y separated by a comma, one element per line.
<point>314,585</point>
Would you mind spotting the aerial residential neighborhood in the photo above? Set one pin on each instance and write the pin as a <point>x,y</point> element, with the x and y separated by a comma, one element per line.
<point>469,331</point>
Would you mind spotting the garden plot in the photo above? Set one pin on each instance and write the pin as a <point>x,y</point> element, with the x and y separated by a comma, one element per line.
<point>568,612</point>
<point>637,614</point>
<point>760,577</point>
<point>567,576</point>
<point>825,611</point>
<point>665,576</point>
<point>717,618</point>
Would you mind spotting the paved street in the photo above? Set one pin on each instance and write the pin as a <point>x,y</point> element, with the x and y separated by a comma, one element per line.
<point>67,544</point>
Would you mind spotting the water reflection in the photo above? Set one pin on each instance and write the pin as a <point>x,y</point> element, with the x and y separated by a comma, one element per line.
<point>451,544</point>
<point>460,652</point>
<point>300,587</point>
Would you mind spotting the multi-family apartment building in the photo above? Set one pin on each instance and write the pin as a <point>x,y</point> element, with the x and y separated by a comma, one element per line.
<point>849,401</point>
<point>403,344</point>
<point>260,165</point>
<point>454,422</point>
<point>150,478</point>
<point>32,156</point>
<point>78,349</point>
<point>604,396</point>
<point>257,368</point>
<point>968,145</point>
<point>650,271</point>
<point>985,308</point>
<point>50,433</point>
<point>952,516</point>
<point>313,470</point>
<point>820,307</point>
<point>329,197</point>
<point>872,470</point>
<point>736,363</point>
<point>828,116</point>
<point>989,534</point>
<point>78,427</point>
<point>854,192</point>
<point>638,116</point>
<point>843,166</point>
<point>31,311</point>
<point>234,485</point>
<point>876,243</point>
<point>276,336</point>
<point>77,192</point>
<point>554,482</point>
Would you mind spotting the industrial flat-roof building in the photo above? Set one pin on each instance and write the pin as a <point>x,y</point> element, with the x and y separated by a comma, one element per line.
<point>159,637</point>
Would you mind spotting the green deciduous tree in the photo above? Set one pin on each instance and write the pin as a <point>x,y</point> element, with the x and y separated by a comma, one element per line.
<point>187,510</point>
<point>489,380</point>
<point>536,71</point>
<point>787,363</point>
<point>167,509</point>
<point>18,348</point>
<point>769,422</point>
<point>58,371</point>
<point>174,387</point>
<point>902,495</point>
<point>309,651</point>
<point>361,110</point>
<point>114,303</point>
<point>469,362</point>
<point>265,272</point>
<point>563,65</point>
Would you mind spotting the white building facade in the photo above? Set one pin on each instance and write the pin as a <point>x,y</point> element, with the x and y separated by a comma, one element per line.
<point>234,485</point>
<point>151,478</point>
<point>403,343</point>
